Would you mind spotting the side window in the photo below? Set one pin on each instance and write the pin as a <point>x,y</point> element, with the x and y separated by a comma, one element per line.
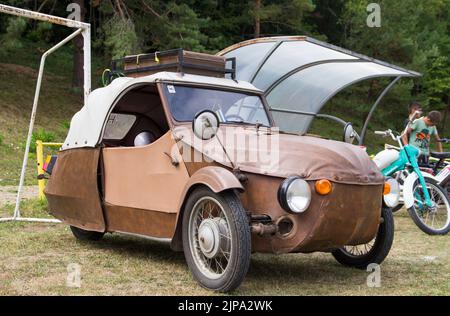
<point>118,126</point>
<point>137,119</point>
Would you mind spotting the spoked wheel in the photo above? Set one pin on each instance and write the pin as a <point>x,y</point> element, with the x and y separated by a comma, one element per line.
<point>434,220</point>
<point>82,234</point>
<point>216,239</point>
<point>375,251</point>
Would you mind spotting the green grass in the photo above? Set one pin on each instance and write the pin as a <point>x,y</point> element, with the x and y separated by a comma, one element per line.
<point>34,259</point>
<point>28,208</point>
<point>57,104</point>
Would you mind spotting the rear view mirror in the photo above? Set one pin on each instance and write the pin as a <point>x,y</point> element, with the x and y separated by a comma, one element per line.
<point>349,133</point>
<point>205,124</point>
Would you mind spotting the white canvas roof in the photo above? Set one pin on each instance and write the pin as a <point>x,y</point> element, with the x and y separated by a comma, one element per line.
<point>86,126</point>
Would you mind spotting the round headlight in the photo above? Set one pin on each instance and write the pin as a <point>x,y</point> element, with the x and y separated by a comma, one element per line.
<point>294,195</point>
<point>392,198</point>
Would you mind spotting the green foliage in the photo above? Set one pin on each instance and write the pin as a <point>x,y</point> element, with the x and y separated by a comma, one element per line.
<point>42,33</point>
<point>437,83</point>
<point>66,124</point>
<point>413,34</point>
<point>179,28</point>
<point>120,37</point>
<point>1,139</point>
<point>14,30</point>
<point>43,135</point>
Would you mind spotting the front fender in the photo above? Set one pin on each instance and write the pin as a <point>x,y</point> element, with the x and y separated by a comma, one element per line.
<point>408,187</point>
<point>218,179</point>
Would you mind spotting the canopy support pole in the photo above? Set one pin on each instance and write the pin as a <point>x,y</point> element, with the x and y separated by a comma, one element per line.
<point>372,110</point>
<point>316,115</point>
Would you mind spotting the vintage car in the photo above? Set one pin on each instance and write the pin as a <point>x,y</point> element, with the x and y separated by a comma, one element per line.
<point>199,162</point>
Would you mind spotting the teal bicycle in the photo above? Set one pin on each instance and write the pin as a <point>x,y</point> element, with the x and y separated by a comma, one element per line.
<point>426,201</point>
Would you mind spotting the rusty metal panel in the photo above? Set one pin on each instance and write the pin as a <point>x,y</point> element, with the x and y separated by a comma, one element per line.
<point>145,177</point>
<point>42,17</point>
<point>350,215</point>
<point>141,222</point>
<point>72,191</point>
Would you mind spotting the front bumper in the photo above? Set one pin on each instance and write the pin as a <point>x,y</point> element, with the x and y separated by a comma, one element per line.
<point>349,215</point>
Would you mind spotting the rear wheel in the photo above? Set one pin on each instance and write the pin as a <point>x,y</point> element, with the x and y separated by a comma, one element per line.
<point>82,234</point>
<point>375,251</point>
<point>434,220</point>
<point>216,239</point>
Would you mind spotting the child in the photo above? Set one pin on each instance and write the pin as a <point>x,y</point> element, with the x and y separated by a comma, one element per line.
<point>420,132</point>
<point>415,111</point>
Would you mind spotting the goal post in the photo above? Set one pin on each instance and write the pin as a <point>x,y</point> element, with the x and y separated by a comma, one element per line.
<point>80,28</point>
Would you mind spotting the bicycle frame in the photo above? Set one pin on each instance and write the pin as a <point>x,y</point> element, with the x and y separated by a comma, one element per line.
<point>408,159</point>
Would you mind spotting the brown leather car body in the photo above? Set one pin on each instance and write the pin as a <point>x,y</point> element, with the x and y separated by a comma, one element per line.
<point>142,190</point>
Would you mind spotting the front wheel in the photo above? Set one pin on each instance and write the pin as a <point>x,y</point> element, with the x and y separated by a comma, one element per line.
<point>216,239</point>
<point>434,220</point>
<point>375,251</point>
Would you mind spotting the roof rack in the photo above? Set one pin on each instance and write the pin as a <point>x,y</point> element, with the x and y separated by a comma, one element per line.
<point>176,60</point>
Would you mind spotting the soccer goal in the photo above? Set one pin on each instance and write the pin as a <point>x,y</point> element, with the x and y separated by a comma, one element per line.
<point>81,28</point>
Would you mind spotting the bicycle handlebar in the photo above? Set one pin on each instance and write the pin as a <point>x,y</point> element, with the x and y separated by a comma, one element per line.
<point>386,133</point>
<point>391,134</point>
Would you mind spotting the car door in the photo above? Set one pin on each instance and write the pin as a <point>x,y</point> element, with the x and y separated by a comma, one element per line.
<point>143,187</point>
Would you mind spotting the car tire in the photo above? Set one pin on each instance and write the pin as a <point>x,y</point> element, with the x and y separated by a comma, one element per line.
<point>417,220</point>
<point>82,234</point>
<point>381,245</point>
<point>205,254</point>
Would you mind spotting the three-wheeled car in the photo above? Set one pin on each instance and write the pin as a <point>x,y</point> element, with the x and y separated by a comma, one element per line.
<point>198,160</point>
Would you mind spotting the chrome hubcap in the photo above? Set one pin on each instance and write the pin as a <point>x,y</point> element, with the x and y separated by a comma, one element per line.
<point>208,235</point>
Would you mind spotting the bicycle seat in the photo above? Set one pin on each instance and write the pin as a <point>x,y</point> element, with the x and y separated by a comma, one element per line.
<point>440,155</point>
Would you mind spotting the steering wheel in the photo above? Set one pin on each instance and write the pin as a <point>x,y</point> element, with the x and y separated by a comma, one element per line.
<point>233,118</point>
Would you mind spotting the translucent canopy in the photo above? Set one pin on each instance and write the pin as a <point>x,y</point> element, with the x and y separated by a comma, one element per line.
<point>300,74</point>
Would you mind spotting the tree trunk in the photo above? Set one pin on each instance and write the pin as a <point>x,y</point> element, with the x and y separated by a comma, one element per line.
<point>444,121</point>
<point>257,18</point>
<point>78,57</point>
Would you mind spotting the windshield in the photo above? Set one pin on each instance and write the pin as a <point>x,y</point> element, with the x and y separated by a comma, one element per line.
<point>231,107</point>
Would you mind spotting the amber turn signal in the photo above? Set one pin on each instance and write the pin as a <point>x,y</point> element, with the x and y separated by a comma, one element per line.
<point>387,188</point>
<point>323,187</point>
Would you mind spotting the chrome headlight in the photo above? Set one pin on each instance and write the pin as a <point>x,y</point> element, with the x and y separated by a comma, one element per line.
<point>294,195</point>
<point>392,198</point>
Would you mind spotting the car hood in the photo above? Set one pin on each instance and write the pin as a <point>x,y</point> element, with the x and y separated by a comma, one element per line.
<point>282,155</point>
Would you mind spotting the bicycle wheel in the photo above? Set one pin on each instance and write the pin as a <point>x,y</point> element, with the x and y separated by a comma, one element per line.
<point>434,220</point>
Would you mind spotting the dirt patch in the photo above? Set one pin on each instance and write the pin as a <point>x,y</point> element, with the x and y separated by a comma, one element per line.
<point>26,71</point>
<point>18,69</point>
<point>37,227</point>
<point>8,193</point>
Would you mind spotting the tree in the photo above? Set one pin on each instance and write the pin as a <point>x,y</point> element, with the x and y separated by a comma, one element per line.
<point>257,18</point>
<point>413,34</point>
<point>78,59</point>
